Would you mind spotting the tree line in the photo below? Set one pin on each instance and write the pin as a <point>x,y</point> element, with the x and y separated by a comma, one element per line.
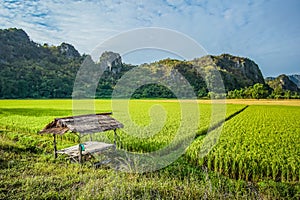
<point>261,91</point>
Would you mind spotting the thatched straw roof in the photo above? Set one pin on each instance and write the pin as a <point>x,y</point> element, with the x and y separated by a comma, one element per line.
<point>83,124</point>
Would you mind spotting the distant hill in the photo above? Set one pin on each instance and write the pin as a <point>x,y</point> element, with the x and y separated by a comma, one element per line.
<point>269,78</point>
<point>32,70</point>
<point>237,72</point>
<point>283,83</point>
<point>16,45</point>
<point>295,78</point>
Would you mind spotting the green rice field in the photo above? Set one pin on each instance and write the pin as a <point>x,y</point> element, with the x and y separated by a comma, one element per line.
<point>256,156</point>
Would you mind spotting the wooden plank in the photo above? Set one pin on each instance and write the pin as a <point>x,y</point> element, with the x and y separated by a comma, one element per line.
<point>90,148</point>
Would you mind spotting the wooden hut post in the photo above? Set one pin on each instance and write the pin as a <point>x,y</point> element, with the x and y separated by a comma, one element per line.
<point>115,137</point>
<point>80,153</point>
<point>54,146</point>
<point>79,149</point>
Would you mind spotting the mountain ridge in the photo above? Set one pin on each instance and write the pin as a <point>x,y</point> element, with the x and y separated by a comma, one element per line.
<point>32,70</point>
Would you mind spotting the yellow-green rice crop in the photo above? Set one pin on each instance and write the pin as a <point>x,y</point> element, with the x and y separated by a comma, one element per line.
<point>261,142</point>
<point>32,115</point>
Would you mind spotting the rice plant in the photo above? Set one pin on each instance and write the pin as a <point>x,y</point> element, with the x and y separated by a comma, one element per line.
<point>263,142</point>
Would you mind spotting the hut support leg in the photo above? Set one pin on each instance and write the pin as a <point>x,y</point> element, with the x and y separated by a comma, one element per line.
<point>54,146</point>
<point>115,137</point>
<point>80,154</point>
<point>79,149</point>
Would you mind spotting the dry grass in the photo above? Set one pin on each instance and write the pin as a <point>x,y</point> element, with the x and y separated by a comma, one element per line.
<point>286,102</point>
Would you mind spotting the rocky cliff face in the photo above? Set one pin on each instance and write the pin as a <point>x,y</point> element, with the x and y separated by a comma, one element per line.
<point>68,50</point>
<point>111,61</point>
<point>240,66</point>
<point>237,72</point>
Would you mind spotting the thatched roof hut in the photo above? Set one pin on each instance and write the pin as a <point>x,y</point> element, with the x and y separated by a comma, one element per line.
<point>82,124</point>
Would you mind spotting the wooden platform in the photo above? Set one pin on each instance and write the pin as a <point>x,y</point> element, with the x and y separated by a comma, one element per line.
<point>82,125</point>
<point>90,148</point>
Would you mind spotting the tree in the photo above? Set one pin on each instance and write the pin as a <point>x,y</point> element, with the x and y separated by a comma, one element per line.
<point>235,94</point>
<point>247,92</point>
<point>259,91</point>
<point>202,92</point>
<point>287,94</point>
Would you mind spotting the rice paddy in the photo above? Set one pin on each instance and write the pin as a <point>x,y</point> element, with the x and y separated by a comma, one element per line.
<point>258,145</point>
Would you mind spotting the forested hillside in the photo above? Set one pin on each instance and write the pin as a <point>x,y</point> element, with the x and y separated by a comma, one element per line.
<point>32,70</point>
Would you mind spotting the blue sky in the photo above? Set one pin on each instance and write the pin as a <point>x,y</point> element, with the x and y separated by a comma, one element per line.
<point>266,31</point>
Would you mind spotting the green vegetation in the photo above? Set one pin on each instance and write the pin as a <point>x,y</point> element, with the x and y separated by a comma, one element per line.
<point>260,143</point>
<point>31,70</point>
<point>260,91</point>
<point>284,88</point>
<point>257,155</point>
<point>139,111</point>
